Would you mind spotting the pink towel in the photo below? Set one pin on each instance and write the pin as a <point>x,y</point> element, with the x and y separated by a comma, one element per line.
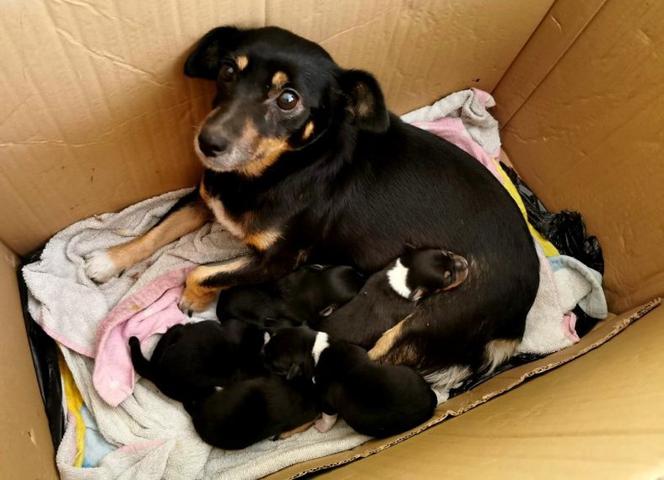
<point>152,310</point>
<point>453,130</point>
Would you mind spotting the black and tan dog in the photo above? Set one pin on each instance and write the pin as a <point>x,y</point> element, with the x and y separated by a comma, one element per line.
<point>302,155</point>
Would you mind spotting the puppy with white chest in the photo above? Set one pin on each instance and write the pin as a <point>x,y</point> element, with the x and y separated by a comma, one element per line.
<point>392,294</point>
<point>307,294</point>
<point>374,399</point>
<point>193,360</point>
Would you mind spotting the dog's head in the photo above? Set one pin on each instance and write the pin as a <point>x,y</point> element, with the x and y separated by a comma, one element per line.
<point>277,93</point>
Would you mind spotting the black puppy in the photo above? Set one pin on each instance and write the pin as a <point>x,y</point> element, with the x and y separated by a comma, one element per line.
<point>374,399</point>
<point>194,360</point>
<point>252,410</point>
<point>391,294</point>
<point>307,294</point>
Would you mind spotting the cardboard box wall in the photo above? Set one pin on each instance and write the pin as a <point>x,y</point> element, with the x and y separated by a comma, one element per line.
<point>95,115</point>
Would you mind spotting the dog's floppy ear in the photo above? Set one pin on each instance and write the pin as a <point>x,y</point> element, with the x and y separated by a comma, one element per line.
<point>205,60</point>
<point>365,100</point>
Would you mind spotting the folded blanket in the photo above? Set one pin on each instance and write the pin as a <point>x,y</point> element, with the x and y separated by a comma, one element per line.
<point>154,435</point>
<point>471,107</point>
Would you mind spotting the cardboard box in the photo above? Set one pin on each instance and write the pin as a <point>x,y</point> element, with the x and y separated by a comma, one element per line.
<point>95,115</point>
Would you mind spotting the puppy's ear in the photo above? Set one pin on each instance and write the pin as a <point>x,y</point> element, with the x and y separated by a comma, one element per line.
<point>205,60</point>
<point>365,100</point>
<point>327,311</point>
<point>416,294</point>
<point>294,371</point>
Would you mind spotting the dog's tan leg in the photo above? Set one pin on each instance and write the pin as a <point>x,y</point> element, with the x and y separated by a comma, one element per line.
<point>103,265</point>
<point>300,429</point>
<point>197,294</point>
<point>387,341</point>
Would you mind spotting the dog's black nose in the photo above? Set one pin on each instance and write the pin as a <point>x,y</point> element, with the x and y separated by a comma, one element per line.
<point>211,145</point>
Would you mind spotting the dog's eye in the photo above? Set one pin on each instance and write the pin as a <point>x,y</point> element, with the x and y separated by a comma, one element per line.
<point>227,71</point>
<point>287,100</point>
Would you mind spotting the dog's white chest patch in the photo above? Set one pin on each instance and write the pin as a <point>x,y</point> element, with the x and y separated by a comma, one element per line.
<point>396,277</point>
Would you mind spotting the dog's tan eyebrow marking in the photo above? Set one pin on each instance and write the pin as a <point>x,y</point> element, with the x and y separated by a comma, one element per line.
<point>242,61</point>
<point>279,79</point>
<point>308,130</point>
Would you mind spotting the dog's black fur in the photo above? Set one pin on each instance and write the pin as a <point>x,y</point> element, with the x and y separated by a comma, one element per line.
<point>374,399</point>
<point>378,307</point>
<point>309,293</point>
<point>252,410</point>
<point>359,188</point>
<point>190,361</point>
<point>302,155</point>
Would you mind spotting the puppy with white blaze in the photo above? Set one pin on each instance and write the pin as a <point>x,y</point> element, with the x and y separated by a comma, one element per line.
<point>393,293</point>
<point>374,399</point>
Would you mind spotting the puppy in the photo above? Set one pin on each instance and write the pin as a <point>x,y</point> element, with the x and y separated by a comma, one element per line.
<point>308,293</point>
<point>392,294</point>
<point>374,399</point>
<point>252,410</point>
<point>193,360</point>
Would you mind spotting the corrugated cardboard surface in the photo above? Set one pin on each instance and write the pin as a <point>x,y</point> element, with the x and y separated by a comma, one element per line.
<point>599,417</point>
<point>561,26</point>
<point>95,113</point>
<point>590,138</point>
<point>26,450</point>
<point>431,457</point>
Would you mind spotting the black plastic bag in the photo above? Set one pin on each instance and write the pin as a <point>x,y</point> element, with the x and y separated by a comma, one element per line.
<point>565,230</point>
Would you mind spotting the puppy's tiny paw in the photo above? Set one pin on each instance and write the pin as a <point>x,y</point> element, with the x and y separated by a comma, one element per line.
<point>325,423</point>
<point>100,267</point>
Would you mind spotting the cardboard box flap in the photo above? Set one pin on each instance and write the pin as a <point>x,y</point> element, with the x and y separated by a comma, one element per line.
<point>590,138</point>
<point>96,113</point>
<point>477,396</point>
<point>26,450</point>
<point>559,29</point>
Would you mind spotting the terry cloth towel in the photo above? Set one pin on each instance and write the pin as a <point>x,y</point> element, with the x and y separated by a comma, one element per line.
<point>154,436</point>
<point>152,310</point>
<point>470,110</point>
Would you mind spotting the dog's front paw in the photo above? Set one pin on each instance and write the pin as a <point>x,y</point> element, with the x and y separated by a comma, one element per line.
<point>99,266</point>
<point>196,298</point>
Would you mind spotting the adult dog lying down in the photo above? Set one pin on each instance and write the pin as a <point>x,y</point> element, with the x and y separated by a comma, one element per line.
<point>303,160</point>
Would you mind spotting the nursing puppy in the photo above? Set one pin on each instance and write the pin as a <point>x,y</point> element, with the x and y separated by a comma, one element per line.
<point>392,294</point>
<point>307,294</point>
<point>193,360</point>
<point>374,399</point>
<point>252,410</point>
